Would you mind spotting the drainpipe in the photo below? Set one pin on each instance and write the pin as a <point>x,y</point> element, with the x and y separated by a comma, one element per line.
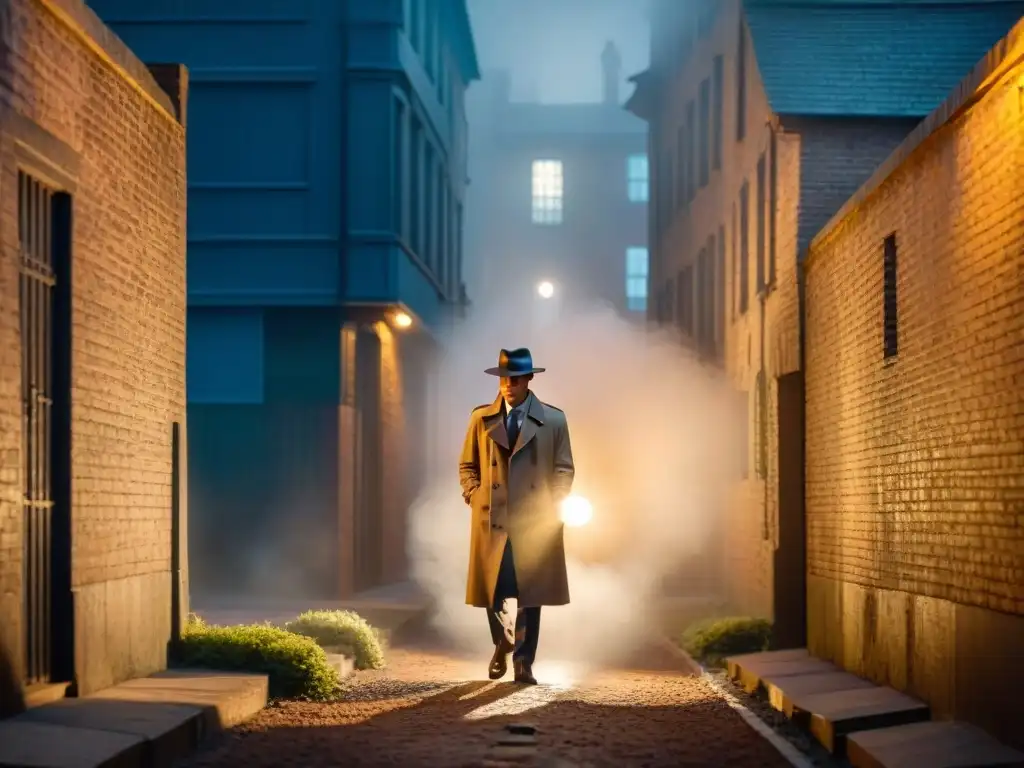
<point>768,276</point>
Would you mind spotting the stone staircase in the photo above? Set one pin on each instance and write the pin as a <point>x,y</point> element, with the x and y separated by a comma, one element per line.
<point>872,726</point>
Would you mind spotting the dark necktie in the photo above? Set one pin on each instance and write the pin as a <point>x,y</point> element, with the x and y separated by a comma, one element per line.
<point>512,427</point>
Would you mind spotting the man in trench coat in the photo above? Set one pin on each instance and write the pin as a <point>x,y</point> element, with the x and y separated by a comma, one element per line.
<point>516,466</point>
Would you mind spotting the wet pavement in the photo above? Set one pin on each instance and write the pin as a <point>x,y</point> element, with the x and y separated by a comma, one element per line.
<point>429,708</point>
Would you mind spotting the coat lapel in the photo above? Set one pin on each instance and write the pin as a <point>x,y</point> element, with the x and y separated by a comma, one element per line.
<point>495,425</point>
<point>534,418</point>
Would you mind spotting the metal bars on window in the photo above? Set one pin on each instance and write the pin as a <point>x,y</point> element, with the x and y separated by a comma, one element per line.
<point>37,282</point>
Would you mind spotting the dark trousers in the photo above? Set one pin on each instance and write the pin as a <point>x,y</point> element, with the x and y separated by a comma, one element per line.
<point>527,620</point>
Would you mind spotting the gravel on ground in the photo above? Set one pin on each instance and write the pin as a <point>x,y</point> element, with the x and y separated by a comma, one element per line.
<point>428,708</point>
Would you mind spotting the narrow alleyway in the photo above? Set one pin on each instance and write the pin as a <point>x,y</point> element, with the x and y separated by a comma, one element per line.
<point>429,709</point>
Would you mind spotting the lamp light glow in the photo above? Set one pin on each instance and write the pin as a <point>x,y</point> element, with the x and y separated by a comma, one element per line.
<point>576,511</point>
<point>402,320</point>
<point>546,289</point>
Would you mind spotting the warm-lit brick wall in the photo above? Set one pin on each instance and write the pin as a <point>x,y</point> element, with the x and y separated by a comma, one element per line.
<point>914,463</point>
<point>118,138</point>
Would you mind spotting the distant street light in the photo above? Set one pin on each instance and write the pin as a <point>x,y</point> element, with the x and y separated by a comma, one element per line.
<point>402,320</point>
<point>546,290</point>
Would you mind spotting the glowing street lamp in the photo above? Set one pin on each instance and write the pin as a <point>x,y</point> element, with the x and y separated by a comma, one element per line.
<point>402,320</point>
<point>546,289</point>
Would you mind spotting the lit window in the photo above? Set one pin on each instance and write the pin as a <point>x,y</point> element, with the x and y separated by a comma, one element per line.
<point>637,178</point>
<point>547,191</point>
<point>636,279</point>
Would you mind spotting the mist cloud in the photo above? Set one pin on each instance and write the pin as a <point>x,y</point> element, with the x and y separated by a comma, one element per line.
<point>655,440</point>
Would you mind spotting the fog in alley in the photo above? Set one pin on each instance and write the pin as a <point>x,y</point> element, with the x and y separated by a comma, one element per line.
<point>654,431</point>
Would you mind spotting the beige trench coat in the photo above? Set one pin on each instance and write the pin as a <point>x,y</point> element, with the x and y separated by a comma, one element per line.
<point>516,497</point>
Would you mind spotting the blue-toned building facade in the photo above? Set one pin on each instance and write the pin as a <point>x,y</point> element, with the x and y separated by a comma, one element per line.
<point>327,169</point>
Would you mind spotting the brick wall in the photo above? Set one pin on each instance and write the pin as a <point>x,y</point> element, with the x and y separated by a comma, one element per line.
<point>916,551</point>
<point>109,129</point>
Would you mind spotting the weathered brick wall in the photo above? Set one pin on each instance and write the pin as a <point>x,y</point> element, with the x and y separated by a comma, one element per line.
<point>128,308</point>
<point>916,551</point>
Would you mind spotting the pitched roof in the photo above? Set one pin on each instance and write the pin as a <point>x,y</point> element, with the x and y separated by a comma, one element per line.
<point>872,57</point>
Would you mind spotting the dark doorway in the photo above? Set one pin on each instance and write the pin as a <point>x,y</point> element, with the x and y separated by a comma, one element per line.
<point>790,598</point>
<point>369,474</point>
<point>44,234</point>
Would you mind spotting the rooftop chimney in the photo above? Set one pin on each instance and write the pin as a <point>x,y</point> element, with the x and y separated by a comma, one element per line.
<point>611,64</point>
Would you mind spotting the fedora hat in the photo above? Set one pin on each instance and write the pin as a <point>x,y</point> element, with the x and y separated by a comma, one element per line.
<point>514,362</point>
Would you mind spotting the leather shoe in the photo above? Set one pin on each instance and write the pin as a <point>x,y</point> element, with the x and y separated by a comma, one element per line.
<point>498,667</point>
<point>524,672</point>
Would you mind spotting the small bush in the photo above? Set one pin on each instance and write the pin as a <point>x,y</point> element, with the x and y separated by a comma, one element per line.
<point>295,665</point>
<point>347,631</point>
<point>712,640</point>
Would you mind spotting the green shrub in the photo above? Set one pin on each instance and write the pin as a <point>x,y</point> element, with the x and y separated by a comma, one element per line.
<point>712,640</point>
<point>296,666</point>
<point>347,631</point>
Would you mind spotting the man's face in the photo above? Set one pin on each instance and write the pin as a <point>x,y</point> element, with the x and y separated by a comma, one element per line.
<point>514,388</point>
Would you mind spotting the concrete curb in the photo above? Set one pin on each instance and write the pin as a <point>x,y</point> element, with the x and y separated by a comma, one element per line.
<point>795,757</point>
<point>146,723</point>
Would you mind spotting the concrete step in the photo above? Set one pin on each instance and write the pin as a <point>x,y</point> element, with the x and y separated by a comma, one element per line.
<point>783,690</point>
<point>933,744</point>
<point>751,661</point>
<point>146,723</point>
<point>832,716</point>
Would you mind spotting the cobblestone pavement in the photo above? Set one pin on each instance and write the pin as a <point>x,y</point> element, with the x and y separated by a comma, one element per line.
<point>430,709</point>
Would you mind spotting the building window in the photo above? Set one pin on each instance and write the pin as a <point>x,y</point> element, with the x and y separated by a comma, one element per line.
<point>416,23</point>
<point>761,200</point>
<point>716,112</point>
<point>735,295</point>
<point>744,233</point>
<point>441,236</point>
<point>416,187</point>
<point>400,198</point>
<point>638,178</point>
<point>636,279</point>
<point>547,191</point>
<point>890,305</point>
<point>720,295</point>
<point>741,84</point>
<point>704,131</point>
<point>429,254</point>
<point>684,300</point>
<point>691,160</point>
<point>681,167</point>
<point>761,426</point>
<point>670,294</point>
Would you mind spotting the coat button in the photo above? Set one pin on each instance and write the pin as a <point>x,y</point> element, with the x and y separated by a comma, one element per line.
<point>494,462</point>
<point>494,486</point>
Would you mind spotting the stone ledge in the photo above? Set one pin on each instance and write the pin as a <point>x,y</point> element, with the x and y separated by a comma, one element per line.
<point>146,723</point>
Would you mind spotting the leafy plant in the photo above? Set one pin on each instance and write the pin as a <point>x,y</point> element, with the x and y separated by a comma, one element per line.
<point>347,631</point>
<point>296,666</point>
<point>711,641</point>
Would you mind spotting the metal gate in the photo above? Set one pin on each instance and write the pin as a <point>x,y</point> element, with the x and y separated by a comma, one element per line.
<point>37,282</point>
